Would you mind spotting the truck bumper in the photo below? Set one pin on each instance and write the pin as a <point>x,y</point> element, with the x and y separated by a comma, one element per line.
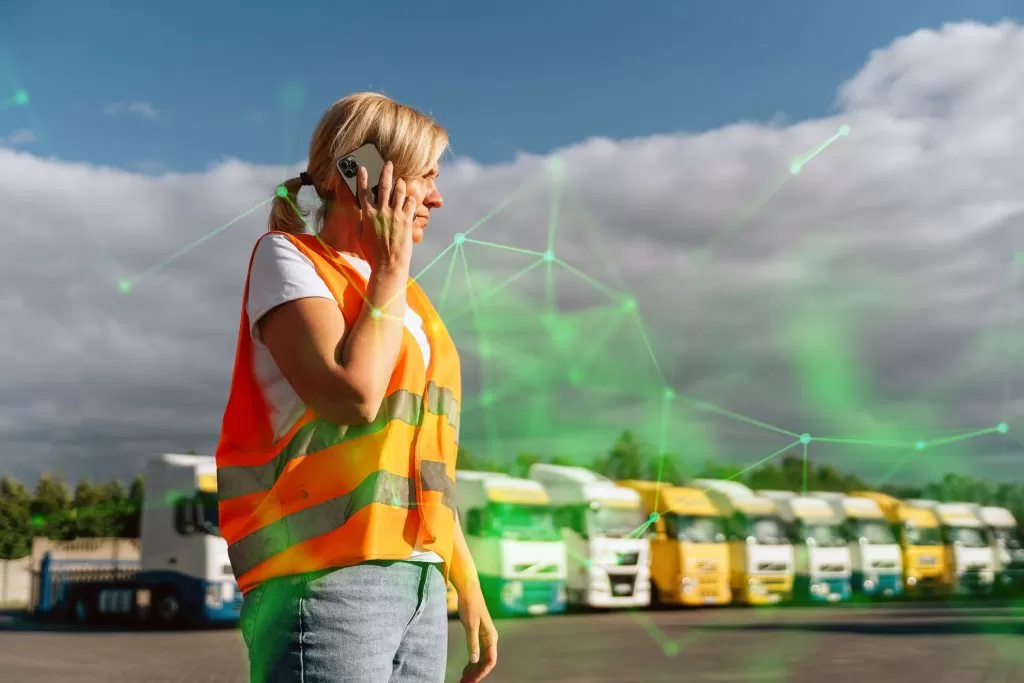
<point>618,590</point>
<point>524,597</point>
<point>823,589</point>
<point>878,584</point>
<point>764,590</point>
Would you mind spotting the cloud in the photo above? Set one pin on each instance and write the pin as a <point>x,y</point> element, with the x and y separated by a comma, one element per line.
<point>143,110</point>
<point>874,295</point>
<point>18,138</point>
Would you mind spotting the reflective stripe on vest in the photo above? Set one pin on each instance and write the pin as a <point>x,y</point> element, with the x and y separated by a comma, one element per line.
<point>381,487</point>
<point>318,435</point>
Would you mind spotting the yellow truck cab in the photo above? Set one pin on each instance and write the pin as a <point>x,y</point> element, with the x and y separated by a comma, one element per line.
<point>761,556</point>
<point>970,561</point>
<point>689,553</point>
<point>920,537</point>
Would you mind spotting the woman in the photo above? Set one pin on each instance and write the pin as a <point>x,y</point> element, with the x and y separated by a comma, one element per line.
<point>336,461</point>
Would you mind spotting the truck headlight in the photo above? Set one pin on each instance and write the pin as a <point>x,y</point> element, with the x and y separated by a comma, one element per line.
<point>686,585</point>
<point>869,585</point>
<point>911,581</point>
<point>213,598</point>
<point>511,591</point>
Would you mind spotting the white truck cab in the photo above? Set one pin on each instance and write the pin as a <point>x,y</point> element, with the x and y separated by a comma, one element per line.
<point>760,551</point>
<point>823,567</point>
<point>874,549</point>
<point>519,553</point>
<point>182,553</point>
<point>972,560</point>
<point>599,521</point>
<point>1007,547</point>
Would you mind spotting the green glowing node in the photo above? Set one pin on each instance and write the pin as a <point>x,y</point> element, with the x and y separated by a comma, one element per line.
<point>668,394</point>
<point>805,438</point>
<point>38,520</point>
<point>485,349</point>
<point>487,398</point>
<point>586,564</point>
<point>459,238</point>
<point>125,285</point>
<point>794,168</point>
<point>1002,427</point>
<point>671,649</point>
<point>375,313</point>
<point>653,518</point>
<point>549,256</point>
<point>844,130</point>
<point>629,305</point>
<point>282,191</point>
<point>576,376</point>
<point>920,445</point>
<point>21,98</point>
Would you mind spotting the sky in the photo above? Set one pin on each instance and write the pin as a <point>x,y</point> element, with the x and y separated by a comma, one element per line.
<point>872,293</point>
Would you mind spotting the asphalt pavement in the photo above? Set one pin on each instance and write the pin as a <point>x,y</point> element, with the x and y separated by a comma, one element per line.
<point>908,644</point>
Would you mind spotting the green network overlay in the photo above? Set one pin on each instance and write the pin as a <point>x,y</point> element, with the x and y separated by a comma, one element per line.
<point>594,365</point>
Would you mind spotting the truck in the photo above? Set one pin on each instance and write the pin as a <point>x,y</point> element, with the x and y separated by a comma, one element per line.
<point>601,524</point>
<point>920,537</point>
<point>510,530</point>
<point>1007,543</point>
<point>183,577</point>
<point>970,561</point>
<point>689,550</point>
<point>874,549</point>
<point>823,566</point>
<point>761,558</point>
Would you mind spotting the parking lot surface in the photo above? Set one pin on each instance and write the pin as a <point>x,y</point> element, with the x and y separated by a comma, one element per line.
<point>933,644</point>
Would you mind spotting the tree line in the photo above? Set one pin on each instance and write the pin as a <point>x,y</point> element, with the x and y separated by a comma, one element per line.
<point>91,510</point>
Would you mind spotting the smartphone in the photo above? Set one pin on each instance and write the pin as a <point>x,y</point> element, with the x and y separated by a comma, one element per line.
<point>369,158</point>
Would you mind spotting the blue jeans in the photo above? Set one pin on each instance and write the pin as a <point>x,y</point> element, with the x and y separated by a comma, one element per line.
<point>376,622</point>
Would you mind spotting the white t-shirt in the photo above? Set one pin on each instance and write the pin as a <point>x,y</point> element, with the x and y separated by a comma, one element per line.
<point>281,273</point>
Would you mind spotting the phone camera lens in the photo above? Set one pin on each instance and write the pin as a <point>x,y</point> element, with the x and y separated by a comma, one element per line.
<point>348,167</point>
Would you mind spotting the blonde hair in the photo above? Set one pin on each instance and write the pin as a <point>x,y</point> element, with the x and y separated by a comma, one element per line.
<point>409,139</point>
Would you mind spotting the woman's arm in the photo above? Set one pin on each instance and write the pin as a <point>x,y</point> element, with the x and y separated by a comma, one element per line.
<point>463,574</point>
<point>340,373</point>
<point>481,636</point>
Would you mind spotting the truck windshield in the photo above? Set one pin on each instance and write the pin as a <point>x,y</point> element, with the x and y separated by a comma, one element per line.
<point>520,522</point>
<point>766,531</point>
<point>918,535</point>
<point>966,537</point>
<point>207,503</point>
<point>872,531</point>
<point>696,528</point>
<point>824,535</point>
<point>1008,538</point>
<point>614,522</point>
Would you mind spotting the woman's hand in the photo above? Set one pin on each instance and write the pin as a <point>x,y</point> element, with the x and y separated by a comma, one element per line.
<point>386,229</point>
<point>481,636</point>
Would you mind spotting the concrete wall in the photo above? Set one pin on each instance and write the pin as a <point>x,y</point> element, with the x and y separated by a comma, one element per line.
<point>16,575</point>
<point>15,581</point>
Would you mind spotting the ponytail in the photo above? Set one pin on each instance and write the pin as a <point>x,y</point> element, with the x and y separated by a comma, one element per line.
<point>285,213</point>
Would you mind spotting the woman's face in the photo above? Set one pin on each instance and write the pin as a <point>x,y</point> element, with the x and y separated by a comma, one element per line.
<point>424,189</point>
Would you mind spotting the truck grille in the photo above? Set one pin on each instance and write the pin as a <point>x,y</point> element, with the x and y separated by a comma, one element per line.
<point>622,585</point>
<point>627,559</point>
<point>883,564</point>
<point>831,568</point>
<point>706,565</point>
<point>927,560</point>
<point>772,567</point>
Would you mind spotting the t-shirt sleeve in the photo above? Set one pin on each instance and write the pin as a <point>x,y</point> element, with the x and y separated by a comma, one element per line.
<point>280,273</point>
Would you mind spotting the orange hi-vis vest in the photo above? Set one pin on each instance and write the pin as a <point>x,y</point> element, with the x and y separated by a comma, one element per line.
<point>325,495</point>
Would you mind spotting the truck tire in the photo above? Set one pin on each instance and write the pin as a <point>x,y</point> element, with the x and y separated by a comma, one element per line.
<point>166,609</point>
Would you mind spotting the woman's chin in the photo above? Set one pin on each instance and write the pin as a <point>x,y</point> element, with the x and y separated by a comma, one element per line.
<point>417,234</point>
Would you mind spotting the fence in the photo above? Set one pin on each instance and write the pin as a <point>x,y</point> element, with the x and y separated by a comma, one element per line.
<point>17,577</point>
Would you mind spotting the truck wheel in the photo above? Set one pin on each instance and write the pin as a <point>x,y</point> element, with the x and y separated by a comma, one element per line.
<point>166,609</point>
